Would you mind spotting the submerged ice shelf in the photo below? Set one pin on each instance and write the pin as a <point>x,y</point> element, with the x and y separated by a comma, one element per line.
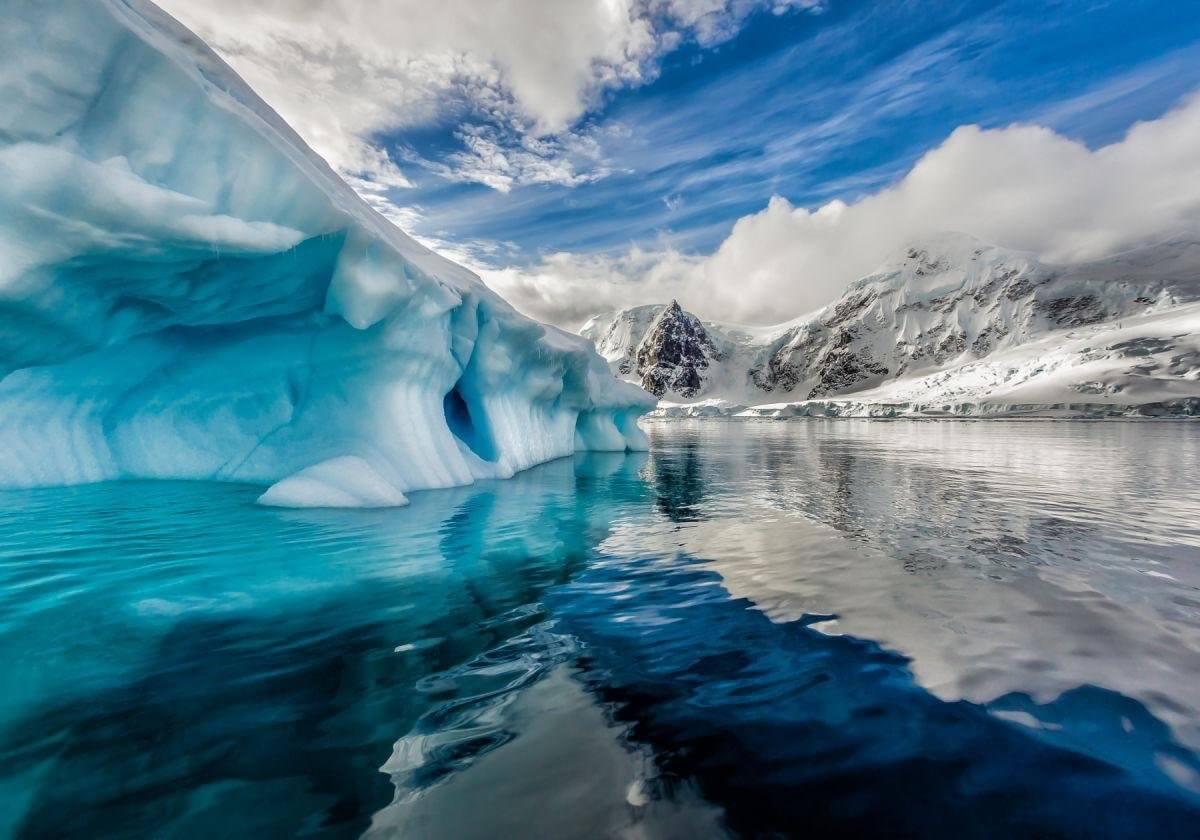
<point>188,291</point>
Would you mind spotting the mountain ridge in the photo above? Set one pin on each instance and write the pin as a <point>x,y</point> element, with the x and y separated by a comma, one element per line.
<point>933,317</point>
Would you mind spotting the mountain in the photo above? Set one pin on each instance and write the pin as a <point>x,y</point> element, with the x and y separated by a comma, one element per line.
<point>950,325</point>
<point>188,291</point>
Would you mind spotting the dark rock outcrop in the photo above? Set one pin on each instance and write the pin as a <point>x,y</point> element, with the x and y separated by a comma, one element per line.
<point>674,353</point>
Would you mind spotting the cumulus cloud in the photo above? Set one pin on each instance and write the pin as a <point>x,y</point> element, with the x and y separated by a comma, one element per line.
<point>1022,187</point>
<point>509,73</point>
<point>566,289</point>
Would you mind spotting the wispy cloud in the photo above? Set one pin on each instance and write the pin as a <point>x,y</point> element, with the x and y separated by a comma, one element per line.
<point>503,158</point>
<point>1104,107</point>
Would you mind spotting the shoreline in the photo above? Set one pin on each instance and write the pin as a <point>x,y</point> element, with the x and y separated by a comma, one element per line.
<point>1185,408</point>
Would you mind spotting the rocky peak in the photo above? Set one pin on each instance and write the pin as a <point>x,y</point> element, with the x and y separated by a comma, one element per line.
<point>674,353</point>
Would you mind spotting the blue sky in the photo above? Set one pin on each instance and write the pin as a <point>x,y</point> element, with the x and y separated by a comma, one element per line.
<point>749,157</point>
<point>814,107</point>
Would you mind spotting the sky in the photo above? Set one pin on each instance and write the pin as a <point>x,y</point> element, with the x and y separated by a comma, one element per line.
<point>747,157</point>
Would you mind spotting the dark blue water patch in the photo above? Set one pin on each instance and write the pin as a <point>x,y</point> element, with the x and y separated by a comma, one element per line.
<point>297,709</point>
<point>257,704</point>
<point>793,731</point>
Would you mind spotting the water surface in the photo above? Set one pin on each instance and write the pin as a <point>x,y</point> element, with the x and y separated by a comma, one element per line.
<point>760,628</point>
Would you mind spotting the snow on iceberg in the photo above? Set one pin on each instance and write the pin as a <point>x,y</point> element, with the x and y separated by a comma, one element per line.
<point>188,291</point>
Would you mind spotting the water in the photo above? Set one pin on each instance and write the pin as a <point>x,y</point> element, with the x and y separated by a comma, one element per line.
<point>935,629</point>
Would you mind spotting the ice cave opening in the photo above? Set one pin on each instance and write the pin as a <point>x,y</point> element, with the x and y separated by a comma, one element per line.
<point>465,427</point>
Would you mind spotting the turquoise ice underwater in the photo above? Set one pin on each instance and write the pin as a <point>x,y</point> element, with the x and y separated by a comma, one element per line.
<point>942,629</point>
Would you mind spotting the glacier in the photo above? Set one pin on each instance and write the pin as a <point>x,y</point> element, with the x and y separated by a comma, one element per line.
<point>187,291</point>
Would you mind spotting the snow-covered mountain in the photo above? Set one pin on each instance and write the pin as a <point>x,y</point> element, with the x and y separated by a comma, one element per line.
<point>949,325</point>
<point>188,291</point>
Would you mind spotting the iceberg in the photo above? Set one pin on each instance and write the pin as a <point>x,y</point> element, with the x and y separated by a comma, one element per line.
<point>187,291</point>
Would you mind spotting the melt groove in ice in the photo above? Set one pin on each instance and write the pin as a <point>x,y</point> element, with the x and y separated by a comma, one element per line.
<point>188,291</point>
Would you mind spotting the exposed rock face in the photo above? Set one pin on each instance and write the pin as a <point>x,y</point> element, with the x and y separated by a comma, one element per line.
<point>1074,311</point>
<point>674,353</point>
<point>840,366</point>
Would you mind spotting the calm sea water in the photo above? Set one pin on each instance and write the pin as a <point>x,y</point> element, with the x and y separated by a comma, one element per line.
<point>934,629</point>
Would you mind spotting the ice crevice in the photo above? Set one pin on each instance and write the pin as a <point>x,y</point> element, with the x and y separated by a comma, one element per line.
<point>188,291</point>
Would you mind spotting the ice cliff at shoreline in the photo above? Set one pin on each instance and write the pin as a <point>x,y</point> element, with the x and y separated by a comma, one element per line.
<point>188,291</point>
<point>950,326</point>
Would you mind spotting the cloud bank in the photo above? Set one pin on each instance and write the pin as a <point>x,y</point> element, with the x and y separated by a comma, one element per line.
<point>1022,187</point>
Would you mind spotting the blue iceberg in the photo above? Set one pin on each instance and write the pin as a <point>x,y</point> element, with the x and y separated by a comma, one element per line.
<point>188,291</point>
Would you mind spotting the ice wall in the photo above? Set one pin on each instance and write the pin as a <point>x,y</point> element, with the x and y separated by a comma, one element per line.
<point>188,291</point>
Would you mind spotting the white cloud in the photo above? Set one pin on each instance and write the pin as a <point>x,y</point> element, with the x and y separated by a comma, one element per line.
<point>502,159</point>
<point>1023,187</point>
<point>714,21</point>
<point>566,289</point>
<point>344,71</point>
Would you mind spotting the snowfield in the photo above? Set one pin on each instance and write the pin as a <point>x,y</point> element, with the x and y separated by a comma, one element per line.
<point>188,291</point>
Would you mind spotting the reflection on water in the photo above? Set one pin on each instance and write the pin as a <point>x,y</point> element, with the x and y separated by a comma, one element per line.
<point>935,629</point>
